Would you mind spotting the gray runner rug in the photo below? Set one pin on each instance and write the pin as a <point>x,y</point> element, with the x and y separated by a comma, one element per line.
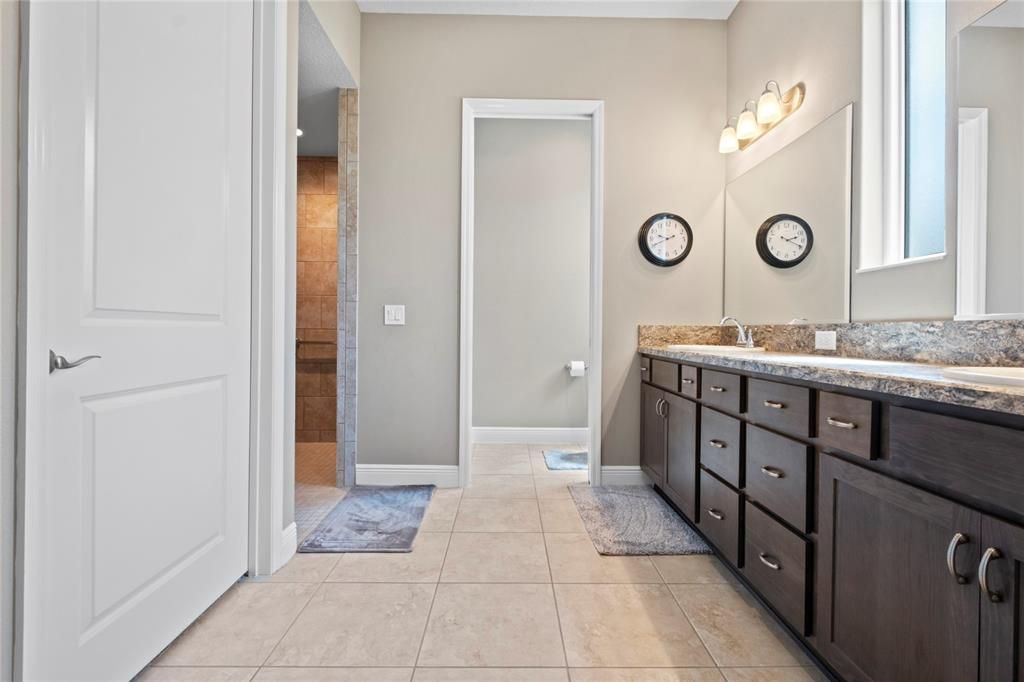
<point>625,520</point>
<point>372,519</point>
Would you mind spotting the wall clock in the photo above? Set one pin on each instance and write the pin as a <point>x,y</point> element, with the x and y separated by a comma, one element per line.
<point>784,240</point>
<point>665,239</point>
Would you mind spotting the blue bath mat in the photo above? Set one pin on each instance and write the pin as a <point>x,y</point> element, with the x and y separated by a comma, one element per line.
<point>560,460</point>
<point>372,519</point>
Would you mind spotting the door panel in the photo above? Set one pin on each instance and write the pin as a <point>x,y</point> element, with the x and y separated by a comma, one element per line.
<point>681,454</point>
<point>888,608</point>
<point>1002,621</point>
<point>652,425</point>
<point>138,214</point>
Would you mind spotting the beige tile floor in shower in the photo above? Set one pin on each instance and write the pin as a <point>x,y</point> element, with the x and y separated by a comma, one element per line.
<point>503,583</point>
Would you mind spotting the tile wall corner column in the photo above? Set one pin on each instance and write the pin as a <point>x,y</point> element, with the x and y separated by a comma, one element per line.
<point>348,283</point>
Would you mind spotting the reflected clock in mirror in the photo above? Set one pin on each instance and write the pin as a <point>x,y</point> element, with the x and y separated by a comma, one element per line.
<point>784,240</point>
<point>665,239</point>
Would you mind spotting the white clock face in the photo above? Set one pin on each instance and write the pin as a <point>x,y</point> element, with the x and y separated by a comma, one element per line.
<point>787,240</point>
<point>667,239</point>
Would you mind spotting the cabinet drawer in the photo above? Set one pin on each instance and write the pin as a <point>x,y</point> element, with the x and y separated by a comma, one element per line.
<point>665,375</point>
<point>981,462</point>
<point>777,475</point>
<point>688,381</point>
<point>720,516</point>
<point>645,368</point>
<point>721,445</point>
<point>780,406</point>
<point>722,390</point>
<point>848,424</point>
<point>776,563</point>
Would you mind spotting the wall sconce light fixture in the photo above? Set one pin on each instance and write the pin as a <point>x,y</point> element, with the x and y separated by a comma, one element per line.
<point>757,118</point>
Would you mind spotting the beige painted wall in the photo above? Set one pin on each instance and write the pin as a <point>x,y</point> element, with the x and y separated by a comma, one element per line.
<point>663,86</point>
<point>531,280</point>
<point>342,22</point>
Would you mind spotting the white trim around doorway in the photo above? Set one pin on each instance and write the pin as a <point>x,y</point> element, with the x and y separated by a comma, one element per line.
<point>473,109</point>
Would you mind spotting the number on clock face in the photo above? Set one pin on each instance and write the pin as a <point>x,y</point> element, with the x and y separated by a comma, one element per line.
<point>667,239</point>
<point>786,240</point>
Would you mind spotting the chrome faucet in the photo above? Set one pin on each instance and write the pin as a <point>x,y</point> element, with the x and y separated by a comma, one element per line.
<point>743,337</point>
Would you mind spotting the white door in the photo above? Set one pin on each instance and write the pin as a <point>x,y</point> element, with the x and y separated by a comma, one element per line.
<point>138,228</point>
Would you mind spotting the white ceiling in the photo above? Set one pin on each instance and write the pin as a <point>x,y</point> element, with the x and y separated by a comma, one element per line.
<point>1007,15</point>
<point>321,73</point>
<point>646,9</point>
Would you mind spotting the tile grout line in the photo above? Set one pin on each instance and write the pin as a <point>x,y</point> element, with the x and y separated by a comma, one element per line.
<point>689,620</point>
<point>288,629</point>
<point>437,586</point>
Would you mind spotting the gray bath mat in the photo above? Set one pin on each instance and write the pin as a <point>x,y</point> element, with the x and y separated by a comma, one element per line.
<point>372,519</point>
<point>561,460</point>
<point>625,520</point>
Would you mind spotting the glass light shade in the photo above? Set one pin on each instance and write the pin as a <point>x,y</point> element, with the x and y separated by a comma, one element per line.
<point>769,108</point>
<point>746,126</point>
<point>728,143</point>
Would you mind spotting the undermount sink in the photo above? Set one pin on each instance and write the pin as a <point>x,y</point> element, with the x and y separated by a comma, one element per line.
<point>1004,376</point>
<point>709,348</point>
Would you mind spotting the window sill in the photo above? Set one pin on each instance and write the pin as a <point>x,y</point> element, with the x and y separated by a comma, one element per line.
<point>903,263</point>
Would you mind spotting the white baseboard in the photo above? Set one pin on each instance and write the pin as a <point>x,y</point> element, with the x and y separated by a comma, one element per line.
<point>285,550</point>
<point>629,475</point>
<point>443,476</point>
<point>514,434</point>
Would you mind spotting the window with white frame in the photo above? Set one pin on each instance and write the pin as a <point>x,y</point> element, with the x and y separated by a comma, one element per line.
<point>911,124</point>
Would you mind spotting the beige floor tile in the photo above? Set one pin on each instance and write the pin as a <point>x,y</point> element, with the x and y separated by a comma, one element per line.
<point>556,486</point>
<point>334,675</point>
<point>696,568</point>
<point>645,675</point>
<point>573,559</point>
<point>560,516</point>
<point>501,449</point>
<point>440,514</point>
<point>195,675</point>
<point>626,626</point>
<point>421,565</point>
<point>360,624</point>
<point>493,625</point>
<point>496,558</point>
<point>774,675</point>
<point>490,675</point>
<point>241,628</point>
<point>498,516</point>
<point>736,630</point>
<point>500,488</point>
<point>492,464</point>
<point>303,568</point>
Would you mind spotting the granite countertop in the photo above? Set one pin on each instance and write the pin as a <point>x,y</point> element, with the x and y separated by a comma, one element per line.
<point>907,379</point>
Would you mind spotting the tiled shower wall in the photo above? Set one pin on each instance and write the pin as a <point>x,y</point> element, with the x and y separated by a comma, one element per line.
<point>317,300</point>
<point>348,293</point>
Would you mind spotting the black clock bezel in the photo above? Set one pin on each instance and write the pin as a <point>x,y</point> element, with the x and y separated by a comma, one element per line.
<point>761,240</point>
<point>645,249</point>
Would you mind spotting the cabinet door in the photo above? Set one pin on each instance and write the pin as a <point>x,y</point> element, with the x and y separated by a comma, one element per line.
<point>652,426</point>
<point>681,454</point>
<point>888,606</point>
<point>1002,605</point>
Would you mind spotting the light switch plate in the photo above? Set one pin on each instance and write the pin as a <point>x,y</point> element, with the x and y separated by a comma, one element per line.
<point>824,340</point>
<point>394,314</point>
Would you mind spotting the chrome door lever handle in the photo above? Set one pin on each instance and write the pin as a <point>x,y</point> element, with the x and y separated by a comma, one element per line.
<point>61,362</point>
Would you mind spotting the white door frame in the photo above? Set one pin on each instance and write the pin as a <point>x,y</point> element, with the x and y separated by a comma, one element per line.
<point>550,109</point>
<point>972,212</point>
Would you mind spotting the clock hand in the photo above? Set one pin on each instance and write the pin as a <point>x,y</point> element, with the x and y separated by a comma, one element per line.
<point>664,239</point>
<point>789,239</point>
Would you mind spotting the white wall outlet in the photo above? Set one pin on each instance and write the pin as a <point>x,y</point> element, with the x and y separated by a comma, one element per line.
<point>394,314</point>
<point>824,340</point>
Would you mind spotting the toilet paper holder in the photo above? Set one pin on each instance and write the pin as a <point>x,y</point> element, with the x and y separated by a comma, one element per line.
<point>572,370</point>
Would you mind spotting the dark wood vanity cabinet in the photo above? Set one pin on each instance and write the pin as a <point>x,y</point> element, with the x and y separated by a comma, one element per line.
<point>887,534</point>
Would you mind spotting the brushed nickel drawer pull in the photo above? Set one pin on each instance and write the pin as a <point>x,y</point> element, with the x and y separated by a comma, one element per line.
<point>686,381</point>
<point>644,369</point>
<point>716,443</point>
<point>990,554</point>
<point>774,405</point>
<point>716,389</point>
<point>769,561</point>
<point>715,514</point>
<point>840,424</point>
<point>772,472</point>
<point>958,539</point>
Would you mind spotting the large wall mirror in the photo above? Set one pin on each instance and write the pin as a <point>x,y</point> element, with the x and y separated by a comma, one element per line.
<point>990,165</point>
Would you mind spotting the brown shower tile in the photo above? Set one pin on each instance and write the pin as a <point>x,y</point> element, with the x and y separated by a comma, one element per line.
<point>320,413</point>
<point>307,436</point>
<point>328,436</point>
<point>298,413</point>
<point>318,279</point>
<point>329,243</point>
<point>310,176</point>
<point>308,245</point>
<point>328,312</point>
<point>308,313</point>
<point>328,379</point>
<point>300,210</point>
<point>321,210</point>
<point>330,176</point>
<point>307,379</point>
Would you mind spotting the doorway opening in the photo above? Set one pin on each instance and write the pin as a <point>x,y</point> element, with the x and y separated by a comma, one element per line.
<point>531,289</point>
